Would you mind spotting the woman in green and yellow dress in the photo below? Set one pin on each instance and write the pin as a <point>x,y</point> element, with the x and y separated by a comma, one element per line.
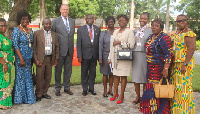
<point>6,59</point>
<point>183,67</point>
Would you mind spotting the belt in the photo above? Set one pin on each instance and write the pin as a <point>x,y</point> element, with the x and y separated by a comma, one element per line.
<point>48,55</point>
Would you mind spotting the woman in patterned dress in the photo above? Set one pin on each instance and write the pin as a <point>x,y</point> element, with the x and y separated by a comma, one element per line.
<point>22,38</point>
<point>159,55</point>
<point>6,59</point>
<point>183,67</point>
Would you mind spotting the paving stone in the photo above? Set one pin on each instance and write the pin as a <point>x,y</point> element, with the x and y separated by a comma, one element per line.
<point>90,104</point>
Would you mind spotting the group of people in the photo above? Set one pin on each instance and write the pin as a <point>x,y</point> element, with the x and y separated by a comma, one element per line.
<point>155,55</point>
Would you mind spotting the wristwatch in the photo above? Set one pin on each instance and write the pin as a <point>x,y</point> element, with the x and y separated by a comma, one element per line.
<point>185,64</point>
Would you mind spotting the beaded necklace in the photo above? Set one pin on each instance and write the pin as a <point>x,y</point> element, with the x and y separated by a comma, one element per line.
<point>28,35</point>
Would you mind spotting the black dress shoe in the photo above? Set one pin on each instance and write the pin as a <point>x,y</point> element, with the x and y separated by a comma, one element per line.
<point>68,92</point>
<point>93,92</point>
<point>38,98</point>
<point>57,93</point>
<point>46,96</point>
<point>84,93</point>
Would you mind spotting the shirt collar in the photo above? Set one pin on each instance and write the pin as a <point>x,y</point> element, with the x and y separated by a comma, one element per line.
<point>89,26</point>
<point>47,32</point>
<point>64,18</point>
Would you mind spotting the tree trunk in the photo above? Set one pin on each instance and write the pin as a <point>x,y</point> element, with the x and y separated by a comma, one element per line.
<point>19,5</point>
<point>42,12</point>
<point>132,14</point>
<point>167,17</point>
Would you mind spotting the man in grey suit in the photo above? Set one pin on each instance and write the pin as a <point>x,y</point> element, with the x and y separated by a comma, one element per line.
<point>88,53</point>
<point>64,27</point>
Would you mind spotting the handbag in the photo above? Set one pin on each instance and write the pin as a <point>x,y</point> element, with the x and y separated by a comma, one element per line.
<point>125,54</point>
<point>33,76</point>
<point>164,91</point>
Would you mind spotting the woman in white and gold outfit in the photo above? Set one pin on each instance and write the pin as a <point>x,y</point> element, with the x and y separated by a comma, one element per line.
<point>123,38</point>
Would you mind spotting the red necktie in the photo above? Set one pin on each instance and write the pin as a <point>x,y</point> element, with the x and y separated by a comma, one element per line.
<point>90,34</point>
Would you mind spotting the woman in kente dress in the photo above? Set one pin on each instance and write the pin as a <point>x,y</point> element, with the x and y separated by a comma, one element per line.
<point>6,59</point>
<point>183,67</point>
<point>22,38</point>
<point>159,55</point>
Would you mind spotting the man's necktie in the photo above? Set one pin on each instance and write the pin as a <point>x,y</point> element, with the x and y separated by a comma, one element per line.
<point>90,34</point>
<point>67,26</point>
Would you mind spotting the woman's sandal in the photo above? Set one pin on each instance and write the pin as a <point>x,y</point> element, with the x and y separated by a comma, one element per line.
<point>137,100</point>
<point>110,93</point>
<point>105,95</point>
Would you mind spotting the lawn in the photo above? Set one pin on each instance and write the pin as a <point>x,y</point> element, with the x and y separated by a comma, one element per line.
<point>76,77</point>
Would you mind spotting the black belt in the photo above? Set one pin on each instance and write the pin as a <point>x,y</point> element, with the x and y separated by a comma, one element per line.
<point>48,55</point>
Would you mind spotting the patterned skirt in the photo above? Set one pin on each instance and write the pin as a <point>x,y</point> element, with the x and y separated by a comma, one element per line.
<point>149,103</point>
<point>183,102</point>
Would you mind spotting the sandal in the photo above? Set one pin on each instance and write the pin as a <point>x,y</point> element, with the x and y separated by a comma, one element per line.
<point>110,93</point>
<point>105,95</point>
<point>137,100</point>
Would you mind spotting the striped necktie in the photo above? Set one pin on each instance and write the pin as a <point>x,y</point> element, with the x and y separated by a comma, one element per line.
<point>67,26</point>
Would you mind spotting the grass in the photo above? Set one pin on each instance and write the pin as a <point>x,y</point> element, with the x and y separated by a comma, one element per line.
<point>196,79</point>
<point>76,77</point>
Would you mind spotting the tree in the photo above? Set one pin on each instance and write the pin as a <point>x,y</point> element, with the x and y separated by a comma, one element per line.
<point>192,9</point>
<point>6,6</point>
<point>19,5</point>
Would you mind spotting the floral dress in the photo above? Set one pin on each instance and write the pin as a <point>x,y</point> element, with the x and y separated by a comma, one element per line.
<point>183,102</point>
<point>5,78</point>
<point>23,86</point>
<point>158,53</point>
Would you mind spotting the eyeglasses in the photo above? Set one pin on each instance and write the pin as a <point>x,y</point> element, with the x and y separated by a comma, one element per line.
<point>178,21</point>
<point>3,25</point>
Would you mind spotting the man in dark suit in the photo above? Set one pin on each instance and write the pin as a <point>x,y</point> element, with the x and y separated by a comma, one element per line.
<point>64,27</point>
<point>88,53</point>
<point>46,54</point>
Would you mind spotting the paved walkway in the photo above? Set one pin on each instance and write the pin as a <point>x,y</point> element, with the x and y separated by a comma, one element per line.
<point>78,104</point>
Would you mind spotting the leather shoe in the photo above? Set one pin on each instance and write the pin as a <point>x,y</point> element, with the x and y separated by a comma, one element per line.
<point>57,93</point>
<point>93,92</point>
<point>68,92</point>
<point>46,96</point>
<point>38,98</point>
<point>84,93</point>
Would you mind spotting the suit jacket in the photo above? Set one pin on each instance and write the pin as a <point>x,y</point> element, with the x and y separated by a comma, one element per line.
<point>66,41</point>
<point>104,44</point>
<point>85,49</point>
<point>39,46</point>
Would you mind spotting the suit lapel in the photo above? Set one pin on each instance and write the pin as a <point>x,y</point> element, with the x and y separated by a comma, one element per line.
<point>53,40</point>
<point>42,37</point>
<point>70,25</point>
<point>94,33</point>
<point>62,24</point>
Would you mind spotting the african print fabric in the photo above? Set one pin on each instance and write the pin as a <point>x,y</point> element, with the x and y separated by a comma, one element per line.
<point>158,53</point>
<point>183,102</point>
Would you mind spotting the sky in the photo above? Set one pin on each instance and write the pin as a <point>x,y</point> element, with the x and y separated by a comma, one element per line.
<point>172,9</point>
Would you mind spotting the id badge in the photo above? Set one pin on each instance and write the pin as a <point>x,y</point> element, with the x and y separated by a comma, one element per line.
<point>139,44</point>
<point>174,47</point>
<point>92,40</point>
<point>47,48</point>
<point>29,45</point>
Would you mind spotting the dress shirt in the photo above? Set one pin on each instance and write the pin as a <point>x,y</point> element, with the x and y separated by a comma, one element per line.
<point>66,21</point>
<point>48,42</point>
<point>88,27</point>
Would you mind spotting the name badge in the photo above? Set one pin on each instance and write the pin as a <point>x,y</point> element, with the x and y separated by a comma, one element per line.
<point>91,40</point>
<point>47,48</point>
<point>29,45</point>
<point>139,44</point>
<point>174,47</point>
